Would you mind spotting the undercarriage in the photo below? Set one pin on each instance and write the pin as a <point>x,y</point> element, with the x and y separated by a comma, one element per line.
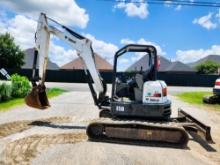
<point>126,130</point>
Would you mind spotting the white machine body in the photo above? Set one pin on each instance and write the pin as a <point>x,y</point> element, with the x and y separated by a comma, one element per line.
<point>81,44</point>
<point>154,92</point>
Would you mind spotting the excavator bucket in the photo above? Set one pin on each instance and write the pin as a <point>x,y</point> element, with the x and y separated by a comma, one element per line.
<point>37,98</point>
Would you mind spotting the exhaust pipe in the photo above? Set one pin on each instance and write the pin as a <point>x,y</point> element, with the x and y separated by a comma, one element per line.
<point>37,98</point>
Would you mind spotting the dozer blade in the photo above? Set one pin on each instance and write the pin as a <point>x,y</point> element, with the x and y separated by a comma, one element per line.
<point>37,98</point>
<point>190,123</point>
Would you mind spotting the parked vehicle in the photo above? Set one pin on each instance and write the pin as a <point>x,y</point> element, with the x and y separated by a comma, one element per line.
<point>215,98</point>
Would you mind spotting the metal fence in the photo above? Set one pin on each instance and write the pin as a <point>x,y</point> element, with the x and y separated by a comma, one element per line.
<point>78,76</point>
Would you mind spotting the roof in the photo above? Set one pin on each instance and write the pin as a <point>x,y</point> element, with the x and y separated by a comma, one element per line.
<point>28,61</point>
<point>165,65</point>
<point>179,67</point>
<point>140,64</point>
<point>101,64</point>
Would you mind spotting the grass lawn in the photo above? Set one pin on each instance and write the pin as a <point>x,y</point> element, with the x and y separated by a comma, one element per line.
<point>196,99</point>
<point>19,101</point>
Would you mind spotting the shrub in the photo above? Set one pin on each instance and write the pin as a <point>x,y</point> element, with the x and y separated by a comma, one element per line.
<point>207,67</point>
<point>20,86</point>
<point>5,92</point>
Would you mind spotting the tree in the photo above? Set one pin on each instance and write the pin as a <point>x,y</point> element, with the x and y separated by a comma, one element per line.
<point>11,56</point>
<point>207,67</point>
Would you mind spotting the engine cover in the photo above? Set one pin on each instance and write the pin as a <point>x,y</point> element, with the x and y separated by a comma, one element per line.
<point>154,92</point>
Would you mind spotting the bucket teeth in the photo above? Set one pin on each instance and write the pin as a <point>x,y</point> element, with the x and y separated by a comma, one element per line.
<point>37,98</point>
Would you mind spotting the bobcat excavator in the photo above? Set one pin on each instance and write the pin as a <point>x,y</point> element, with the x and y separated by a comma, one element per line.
<point>138,110</point>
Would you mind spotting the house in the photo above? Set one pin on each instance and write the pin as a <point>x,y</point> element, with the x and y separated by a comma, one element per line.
<point>165,65</point>
<point>28,61</point>
<point>141,63</point>
<point>77,64</point>
<point>178,66</point>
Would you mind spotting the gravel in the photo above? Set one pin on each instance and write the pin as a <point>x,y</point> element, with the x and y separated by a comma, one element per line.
<point>80,107</point>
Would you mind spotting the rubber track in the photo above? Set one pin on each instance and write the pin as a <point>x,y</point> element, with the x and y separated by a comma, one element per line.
<point>22,151</point>
<point>118,122</point>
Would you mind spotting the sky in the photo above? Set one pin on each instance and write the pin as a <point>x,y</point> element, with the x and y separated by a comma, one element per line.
<point>180,33</point>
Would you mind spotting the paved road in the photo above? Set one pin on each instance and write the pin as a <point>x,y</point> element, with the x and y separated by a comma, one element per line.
<point>78,106</point>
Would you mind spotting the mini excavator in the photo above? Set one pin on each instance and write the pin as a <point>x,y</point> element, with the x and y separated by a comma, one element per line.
<point>138,110</point>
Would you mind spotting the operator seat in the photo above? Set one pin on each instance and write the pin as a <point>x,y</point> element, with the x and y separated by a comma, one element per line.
<point>140,79</point>
<point>133,88</point>
<point>139,88</point>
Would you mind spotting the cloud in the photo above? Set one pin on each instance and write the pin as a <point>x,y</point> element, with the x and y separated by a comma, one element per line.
<point>178,8</point>
<point>168,3</point>
<point>21,28</point>
<point>188,56</point>
<point>134,9</point>
<point>127,41</point>
<point>65,11</point>
<point>206,21</point>
<point>105,49</point>
<point>23,34</point>
<point>61,56</point>
<point>143,41</point>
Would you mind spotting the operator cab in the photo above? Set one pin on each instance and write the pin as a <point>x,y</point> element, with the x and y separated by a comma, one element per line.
<point>133,70</point>
<point>136,92</point>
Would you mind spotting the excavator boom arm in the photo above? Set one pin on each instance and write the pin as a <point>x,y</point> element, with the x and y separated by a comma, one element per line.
<point>81,44</point>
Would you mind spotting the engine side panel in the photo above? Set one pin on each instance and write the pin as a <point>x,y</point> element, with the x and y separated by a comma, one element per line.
<point>151,111</point>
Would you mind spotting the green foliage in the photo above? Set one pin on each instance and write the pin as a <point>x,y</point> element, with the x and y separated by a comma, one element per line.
<point>7,105</point>
<point>193,97</point>
<point>10,54</point>
<point>5,92</point>
<point>52,92</point>
<point>208,67</point>
<point>20,86</point>
<point>196,98</point>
